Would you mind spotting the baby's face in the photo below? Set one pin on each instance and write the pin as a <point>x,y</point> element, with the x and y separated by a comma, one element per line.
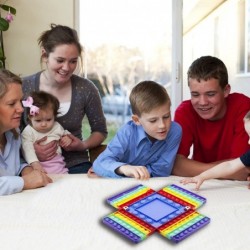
<point>247,128</point>
<point>44,121</point>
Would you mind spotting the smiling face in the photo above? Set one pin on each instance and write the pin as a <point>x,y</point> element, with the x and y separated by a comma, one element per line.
<point>208,98</point>
<point>156,123</point>
<point>62,62</point>
<point>11,108</point>
<point>44,121</point>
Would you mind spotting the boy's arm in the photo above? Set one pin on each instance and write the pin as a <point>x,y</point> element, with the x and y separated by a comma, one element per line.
<point>111,158</point>
<point>221,170</point>
<point>188,168</point>
<point>166,154</point>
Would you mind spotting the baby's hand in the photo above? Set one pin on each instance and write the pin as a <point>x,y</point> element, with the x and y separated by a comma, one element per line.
<point>36,165</point>
<point>197,179</point>
<point>137,172</point>
<point>65,141</point>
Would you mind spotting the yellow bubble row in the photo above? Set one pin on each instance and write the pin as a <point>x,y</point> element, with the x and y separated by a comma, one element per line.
<point>127,226</point>
<point>183,196</point>
<point>181,225</point>
<point>121,200</point>
<point>132,223</point>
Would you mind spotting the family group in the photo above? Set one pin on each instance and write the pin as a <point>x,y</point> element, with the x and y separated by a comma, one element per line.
<point>41,124</point>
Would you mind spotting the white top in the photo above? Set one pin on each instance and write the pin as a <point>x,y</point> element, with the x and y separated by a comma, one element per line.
<point>30,135</point>
<point>64,108</point>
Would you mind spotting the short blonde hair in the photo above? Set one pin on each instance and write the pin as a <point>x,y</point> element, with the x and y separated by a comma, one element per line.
<point>6,78</point>
<point>146,96</point>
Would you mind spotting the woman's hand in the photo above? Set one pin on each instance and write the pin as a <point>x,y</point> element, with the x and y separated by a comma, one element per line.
<point>35,179</point>
<point>45,152</point>
<point>75,145</point>
<point>65,141</point>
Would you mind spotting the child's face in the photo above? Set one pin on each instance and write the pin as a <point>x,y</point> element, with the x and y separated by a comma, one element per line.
<point>44,121</point>
<point>156,123</point>
<point>247,128</point>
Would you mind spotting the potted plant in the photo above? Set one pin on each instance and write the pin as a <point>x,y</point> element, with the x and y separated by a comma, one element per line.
<point>4,25</point>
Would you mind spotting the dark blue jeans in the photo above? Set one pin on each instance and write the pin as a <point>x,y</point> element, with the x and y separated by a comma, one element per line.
<point>81,168</point>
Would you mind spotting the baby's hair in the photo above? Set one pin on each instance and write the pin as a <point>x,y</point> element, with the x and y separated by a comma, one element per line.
<point>146,96</point>
<point>44,100</point>
<point>247,116</point>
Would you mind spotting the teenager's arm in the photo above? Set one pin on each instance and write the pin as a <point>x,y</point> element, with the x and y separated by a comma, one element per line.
<point>187,168</point>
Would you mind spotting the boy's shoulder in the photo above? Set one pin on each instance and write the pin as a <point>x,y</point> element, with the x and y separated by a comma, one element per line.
<point>128,127</point>
<point>176,126</point>
<point>130,130</point>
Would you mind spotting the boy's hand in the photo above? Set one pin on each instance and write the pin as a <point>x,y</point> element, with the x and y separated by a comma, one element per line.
<point>137,172</point>
<point>197,179</point>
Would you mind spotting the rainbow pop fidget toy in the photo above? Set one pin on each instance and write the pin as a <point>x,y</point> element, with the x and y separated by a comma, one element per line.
<point>142,211</point>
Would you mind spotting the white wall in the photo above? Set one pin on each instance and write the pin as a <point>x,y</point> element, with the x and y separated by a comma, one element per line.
<point>201,39</point>
<point>32,18</point>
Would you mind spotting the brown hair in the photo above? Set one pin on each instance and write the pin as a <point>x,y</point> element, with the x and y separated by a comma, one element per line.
<point>207,67</point>
<point>146,96</point>
<point>58,35</point>
<point>6,78</point>
<point>44,100</point>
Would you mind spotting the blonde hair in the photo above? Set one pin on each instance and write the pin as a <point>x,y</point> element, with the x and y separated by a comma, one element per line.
<point>146,96</point>
<point>6,78</point>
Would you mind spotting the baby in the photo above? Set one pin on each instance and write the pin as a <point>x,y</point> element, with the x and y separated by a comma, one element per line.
<point>42,110</point>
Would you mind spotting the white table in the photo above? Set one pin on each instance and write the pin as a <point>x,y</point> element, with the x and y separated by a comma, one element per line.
<point>67,215</point>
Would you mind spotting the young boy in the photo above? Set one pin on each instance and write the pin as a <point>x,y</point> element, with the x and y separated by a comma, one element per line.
<point>225,168</point>
<point>146,146</point>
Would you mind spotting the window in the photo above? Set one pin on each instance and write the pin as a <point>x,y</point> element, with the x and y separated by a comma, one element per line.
<point>244,36</point>
<point>125,42</point>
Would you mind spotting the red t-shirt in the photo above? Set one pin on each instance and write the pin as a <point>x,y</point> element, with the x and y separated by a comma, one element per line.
<point>214,140</point>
